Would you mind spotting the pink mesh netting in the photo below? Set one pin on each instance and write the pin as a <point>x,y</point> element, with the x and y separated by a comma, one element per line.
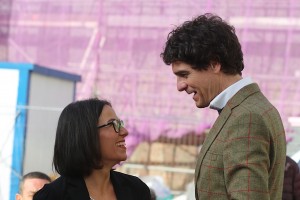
<point>115,46</point>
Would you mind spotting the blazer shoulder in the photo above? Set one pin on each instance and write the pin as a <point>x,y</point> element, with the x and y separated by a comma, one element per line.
<point>127,178</point>
<point>250,101</point>
<point>50,191</point>
<point>133,182</point>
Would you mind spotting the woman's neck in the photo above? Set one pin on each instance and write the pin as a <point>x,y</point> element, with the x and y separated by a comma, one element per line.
<point>99,185</point>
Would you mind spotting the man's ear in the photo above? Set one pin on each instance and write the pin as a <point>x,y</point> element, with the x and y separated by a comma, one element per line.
<point>18,197</point>
<point>215,67</point>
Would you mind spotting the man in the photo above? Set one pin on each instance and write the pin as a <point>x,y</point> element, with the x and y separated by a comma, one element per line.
<point>30,184</point>
<point>243,155</point>
<point>291,182</point>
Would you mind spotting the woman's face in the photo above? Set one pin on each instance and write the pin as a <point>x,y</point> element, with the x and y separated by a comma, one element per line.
<point>112,144</point>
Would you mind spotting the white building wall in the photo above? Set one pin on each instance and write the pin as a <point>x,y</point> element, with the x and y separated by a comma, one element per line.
<point>9,80</point>
<point>48,95</point>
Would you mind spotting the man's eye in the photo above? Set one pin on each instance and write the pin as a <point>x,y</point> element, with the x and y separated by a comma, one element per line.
<point>184,75</point>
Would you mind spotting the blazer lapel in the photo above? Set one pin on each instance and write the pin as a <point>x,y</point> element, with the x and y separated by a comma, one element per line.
<point>121,188</point>
<point>76,189</point>
<point>213,133</point>
<point>236,100</point>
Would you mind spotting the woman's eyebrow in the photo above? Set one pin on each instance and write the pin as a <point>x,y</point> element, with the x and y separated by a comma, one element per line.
<point>110,120</point>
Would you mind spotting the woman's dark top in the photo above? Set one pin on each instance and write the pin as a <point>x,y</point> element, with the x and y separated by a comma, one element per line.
<point>73,188</point>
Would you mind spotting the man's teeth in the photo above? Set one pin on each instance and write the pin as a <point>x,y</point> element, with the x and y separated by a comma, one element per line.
<point>121,144</point>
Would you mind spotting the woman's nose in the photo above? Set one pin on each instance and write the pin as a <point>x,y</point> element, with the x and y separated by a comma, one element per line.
<point>123,132</point>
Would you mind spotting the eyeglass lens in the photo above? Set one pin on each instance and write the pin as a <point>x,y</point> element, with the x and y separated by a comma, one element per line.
<point>117,125</point>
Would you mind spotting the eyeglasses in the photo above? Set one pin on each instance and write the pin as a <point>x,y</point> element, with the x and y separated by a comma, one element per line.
<point>117,124</point>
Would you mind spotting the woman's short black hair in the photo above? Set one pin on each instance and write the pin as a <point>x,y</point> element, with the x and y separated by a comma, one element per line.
<point>205,40</point>
<point>76,149</point>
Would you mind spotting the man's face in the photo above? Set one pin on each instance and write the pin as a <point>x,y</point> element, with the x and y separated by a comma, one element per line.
<point>30,187</point>
<point>203,85</point>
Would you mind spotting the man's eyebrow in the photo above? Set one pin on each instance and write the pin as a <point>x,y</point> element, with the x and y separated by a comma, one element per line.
<point>181,73</point>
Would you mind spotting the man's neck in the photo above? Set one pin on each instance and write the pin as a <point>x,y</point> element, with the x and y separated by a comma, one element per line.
<point>228,80</point>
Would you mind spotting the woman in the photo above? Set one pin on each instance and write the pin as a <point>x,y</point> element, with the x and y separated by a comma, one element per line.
<point>90,140</point>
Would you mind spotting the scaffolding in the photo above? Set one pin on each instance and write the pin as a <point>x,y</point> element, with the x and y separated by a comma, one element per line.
<point>115,46</point>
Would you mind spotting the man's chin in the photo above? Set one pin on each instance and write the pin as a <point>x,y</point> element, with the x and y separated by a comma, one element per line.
<point>199,105</point>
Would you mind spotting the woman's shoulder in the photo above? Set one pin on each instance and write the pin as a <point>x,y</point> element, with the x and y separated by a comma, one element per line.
<point>51,190</point>
<point>123,176</point>
<point>132,184</point>
<point>127,179</point>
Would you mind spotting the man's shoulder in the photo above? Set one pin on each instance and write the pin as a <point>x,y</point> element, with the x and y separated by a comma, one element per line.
<point>255,107</point>
<point>252,100</point>
<point>290,164</point>
<point>247,96</point>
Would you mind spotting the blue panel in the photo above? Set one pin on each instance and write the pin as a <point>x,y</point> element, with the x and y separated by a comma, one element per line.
<point>56,73</point>
<point>41,70</point>
<point>19,133</point>
<point>19,66</point>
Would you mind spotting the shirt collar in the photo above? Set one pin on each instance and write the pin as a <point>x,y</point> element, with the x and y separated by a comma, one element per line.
<point>221,99</point>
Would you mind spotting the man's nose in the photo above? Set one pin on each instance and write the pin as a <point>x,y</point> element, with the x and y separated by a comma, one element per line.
<point>181,85</point>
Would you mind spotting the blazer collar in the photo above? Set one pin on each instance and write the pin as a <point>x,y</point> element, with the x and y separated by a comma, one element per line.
<point>244,93</point>
<point>236,100</point>
<point>122,189</point>
<point>77,189</point>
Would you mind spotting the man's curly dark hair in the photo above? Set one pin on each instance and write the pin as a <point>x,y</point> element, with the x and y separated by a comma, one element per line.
<point>203,41</point>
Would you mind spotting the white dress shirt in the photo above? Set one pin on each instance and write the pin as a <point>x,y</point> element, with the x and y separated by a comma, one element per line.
<point>221,99</point>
